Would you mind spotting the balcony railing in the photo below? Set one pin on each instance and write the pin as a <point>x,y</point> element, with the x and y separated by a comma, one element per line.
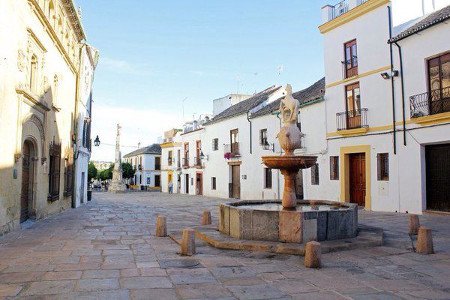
<point>186,162</point>
<point>350,67</point>
<point>352,119</point>
<point>436,102</point>
<point>232,150</point>
<point>197,162</point>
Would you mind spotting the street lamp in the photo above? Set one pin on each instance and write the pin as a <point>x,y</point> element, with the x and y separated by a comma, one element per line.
<point>97,142</point>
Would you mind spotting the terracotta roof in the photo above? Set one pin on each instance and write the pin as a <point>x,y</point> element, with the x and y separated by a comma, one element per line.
<point>304,97</point>
<point>424,23</point>
<point>244,106</point>
<point>152,149</point>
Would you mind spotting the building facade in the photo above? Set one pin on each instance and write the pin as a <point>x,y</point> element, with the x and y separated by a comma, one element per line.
<point>39,74</point>
<point>147,163</point>
<point>83,111</point>
<point>171,161</point>
<point>378,142</point>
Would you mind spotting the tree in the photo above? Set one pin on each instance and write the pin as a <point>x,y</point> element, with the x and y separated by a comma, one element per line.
<point>92,171</point>
<point>106,174</point>
<point>127,170</point>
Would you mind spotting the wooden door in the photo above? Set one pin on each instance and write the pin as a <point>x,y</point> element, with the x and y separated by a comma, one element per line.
<point>438,177</point>
<point>358,178</point>
<point>235,182</point>
<point>199,184</point>
<point>27,182</point>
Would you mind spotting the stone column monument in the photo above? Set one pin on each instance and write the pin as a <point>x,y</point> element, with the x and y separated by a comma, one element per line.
<point>117,184</point>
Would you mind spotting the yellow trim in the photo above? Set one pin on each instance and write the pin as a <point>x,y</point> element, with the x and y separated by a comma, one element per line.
<point>356,77</point>
<point>170,145</point>
<point>433,119</point>
<point>356,131</point>
<point>360,131</point>
<point>352,14</point>
<point>344,173</point>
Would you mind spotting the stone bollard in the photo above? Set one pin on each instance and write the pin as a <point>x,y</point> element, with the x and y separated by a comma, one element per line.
<point>188,242</point>
<point>425,241</point>
<point>313,255</point>
<point>206,218</point>
<point>161,226</point>
<point>414,224</point>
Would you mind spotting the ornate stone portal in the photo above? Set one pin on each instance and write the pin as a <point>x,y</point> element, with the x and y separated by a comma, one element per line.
<point>117,184</point>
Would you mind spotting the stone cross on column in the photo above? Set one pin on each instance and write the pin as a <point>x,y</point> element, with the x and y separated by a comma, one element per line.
<point>117,184</point>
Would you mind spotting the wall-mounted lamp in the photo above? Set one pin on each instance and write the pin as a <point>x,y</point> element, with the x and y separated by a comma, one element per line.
<point>387,76</point>
<point>97,142</point>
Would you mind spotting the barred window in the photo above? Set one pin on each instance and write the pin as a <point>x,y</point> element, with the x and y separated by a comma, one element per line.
<point>315,174</point>
<point>263,137</point>
<point>213,183</point>
<point>215,144</point>
<point>68,177</point>
<point>383,166</point>
<point>54,171</point>
<point>267,178</point>
<point>334,167</point>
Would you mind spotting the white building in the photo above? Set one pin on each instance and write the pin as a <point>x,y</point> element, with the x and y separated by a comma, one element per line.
<point>190,180</point>
<point>220,104</point>
<point>235,140</point>
<point>88,63</point>
<point>383,149</point>
<point>147,163</point>
<point>171,161</point>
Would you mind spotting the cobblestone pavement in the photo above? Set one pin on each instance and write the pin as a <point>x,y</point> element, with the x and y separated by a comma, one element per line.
<point>107,250</point>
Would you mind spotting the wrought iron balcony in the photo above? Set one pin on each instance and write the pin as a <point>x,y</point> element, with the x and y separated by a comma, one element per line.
<point>197,162</point>
<point>425,104</point>
<point>352,119</point>
<point>232,150</point>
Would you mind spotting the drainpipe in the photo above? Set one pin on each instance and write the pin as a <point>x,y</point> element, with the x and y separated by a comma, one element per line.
<point>250,123</point>
<point>392,81</point>
<point>403,91</point>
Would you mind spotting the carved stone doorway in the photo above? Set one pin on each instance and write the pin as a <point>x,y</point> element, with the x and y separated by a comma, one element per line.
<point>28,170</point>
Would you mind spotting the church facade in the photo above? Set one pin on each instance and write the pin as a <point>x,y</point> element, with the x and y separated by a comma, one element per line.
<point>39,92</point>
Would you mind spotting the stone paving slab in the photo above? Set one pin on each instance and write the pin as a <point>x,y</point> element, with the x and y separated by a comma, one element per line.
<point>107,250</point>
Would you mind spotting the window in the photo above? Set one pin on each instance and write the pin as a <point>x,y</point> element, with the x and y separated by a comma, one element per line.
<point>68,177</point>
<point>157,180</point>
<point>353,106</point>
<point>439,83</point>
<point>334,167</point>
<point>383,166</point>
<point>33,73</point>
<point>140,179</point>
<point>186,155</point>
<point>267,178</point>
<point>213,183</point>
<point>263,137</point>
<point>54,171</point>
<point>148,180</point>
<point>169,159</point>
<point>234,141</point>
<point>157,163</point>
<point>315,174</point>
<point>215,144</point>
<point>351,59</point>
<point>198,153</point>
<point>299,123</point>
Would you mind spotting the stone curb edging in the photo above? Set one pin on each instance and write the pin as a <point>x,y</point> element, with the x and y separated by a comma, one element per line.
<point>367,237</point>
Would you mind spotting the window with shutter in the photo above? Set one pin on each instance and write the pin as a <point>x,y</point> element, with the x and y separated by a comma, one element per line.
<point>334,167</point>
<point>383,166</point>
<point>315,175</point>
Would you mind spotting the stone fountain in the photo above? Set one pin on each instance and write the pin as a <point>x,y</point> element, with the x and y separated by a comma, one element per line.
<point>292,220</point>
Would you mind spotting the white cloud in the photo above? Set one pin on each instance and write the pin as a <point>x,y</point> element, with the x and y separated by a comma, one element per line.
<point>121,66</point>
<point>138,125</point>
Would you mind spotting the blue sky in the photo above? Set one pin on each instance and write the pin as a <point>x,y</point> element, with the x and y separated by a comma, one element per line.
<point>153,54</point>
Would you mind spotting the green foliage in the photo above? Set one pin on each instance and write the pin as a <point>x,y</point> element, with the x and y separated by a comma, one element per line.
<point>127,170</point>
<point>92,171</point>
<point>105,174</point>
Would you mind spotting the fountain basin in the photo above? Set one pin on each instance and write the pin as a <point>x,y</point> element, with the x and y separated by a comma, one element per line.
<point>307,221</point>
<point>289,162</point>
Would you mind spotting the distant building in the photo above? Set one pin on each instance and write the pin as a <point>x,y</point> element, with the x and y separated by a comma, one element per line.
<point>171,161</point>
<point>147,163</point>
<point>221,104</point>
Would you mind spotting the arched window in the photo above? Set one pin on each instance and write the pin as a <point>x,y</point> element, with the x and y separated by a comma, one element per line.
<point>33,73</point>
